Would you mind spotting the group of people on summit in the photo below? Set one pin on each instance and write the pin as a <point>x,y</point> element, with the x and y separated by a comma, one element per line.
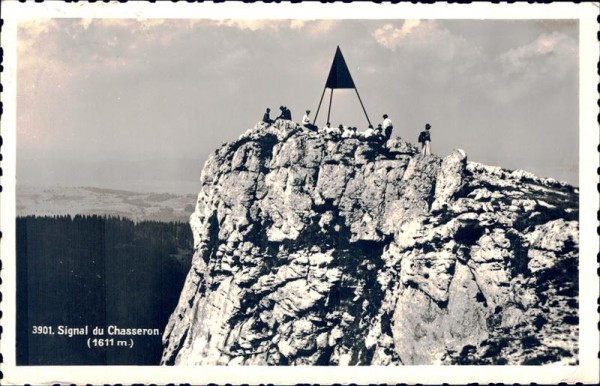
<point>383,131</point>
<point>285,114</point>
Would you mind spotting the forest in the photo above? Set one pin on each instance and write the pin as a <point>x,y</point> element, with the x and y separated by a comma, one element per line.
<point>96,271</point>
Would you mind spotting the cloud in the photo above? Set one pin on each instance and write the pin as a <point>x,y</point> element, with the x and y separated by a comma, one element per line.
<point>313,27</point>
<point>426,39</point>
<point>546,64</point>
<point>550,51</point>
<point>391,37</point>
<point>30,32</point>
<point>297,24</point>
<point>150,23</point>
<point>34,40</point>
<point>253,24</point>
<point>36,27</point>
<point>318,27</point>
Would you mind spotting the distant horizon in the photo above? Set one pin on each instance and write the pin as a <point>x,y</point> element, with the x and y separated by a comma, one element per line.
<point>88,200</point>
<point>108,189</point>
<point>140,104</point>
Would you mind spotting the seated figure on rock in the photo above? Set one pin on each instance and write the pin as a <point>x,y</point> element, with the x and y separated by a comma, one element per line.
<point>349,132</point>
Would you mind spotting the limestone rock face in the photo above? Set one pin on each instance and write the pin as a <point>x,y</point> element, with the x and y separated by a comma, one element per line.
<point>314,250</point>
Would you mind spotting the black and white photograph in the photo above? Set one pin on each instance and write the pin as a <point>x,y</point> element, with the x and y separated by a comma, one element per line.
<point>295,188</point>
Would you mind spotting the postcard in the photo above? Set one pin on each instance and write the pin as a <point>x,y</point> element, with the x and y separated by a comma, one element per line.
<point>312,193</point>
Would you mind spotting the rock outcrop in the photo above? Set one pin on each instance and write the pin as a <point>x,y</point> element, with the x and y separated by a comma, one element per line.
<point>313,250</point>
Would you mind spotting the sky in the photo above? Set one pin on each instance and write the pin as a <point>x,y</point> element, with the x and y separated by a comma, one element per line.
<point>140,104</point>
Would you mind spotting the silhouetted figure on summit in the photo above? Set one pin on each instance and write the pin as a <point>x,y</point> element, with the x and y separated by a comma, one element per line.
<point>425,140</point>
<point>285,113</point>
<point>280,116</point>
<point>388,126</point>
<point>266,117</point>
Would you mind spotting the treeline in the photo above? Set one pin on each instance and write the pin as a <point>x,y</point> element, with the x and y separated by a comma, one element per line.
<point>96,271</point>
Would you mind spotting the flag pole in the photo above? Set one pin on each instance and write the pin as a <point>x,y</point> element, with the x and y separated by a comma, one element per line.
<point>330,99</point>
<point>361,104</point>
<point>318,108</point>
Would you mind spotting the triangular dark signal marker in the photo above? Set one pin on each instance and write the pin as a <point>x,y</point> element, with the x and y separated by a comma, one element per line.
<point>339,75</point>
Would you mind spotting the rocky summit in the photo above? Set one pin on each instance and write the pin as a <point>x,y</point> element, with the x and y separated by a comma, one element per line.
<point>318,250</point>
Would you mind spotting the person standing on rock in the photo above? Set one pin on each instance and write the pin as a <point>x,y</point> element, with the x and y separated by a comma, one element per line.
<point>267,117</point>
<point>425,140</point>
<point>388,126</point>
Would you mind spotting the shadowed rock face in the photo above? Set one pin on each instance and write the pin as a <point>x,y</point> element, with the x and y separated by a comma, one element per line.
<point>321,251</point>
